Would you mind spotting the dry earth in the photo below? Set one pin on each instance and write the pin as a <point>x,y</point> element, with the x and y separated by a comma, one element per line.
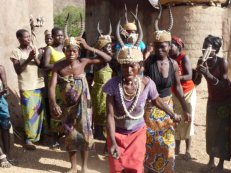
<point>46,160</point>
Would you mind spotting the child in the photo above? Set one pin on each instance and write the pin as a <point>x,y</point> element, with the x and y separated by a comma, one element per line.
<point>77,116</point>
<point>5,159</point>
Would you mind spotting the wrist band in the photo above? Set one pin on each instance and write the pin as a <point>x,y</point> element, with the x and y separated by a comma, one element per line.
<point>217,81</point>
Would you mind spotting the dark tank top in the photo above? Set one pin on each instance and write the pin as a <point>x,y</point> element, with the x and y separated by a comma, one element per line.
<point>217,94</point>
<point>163,84</point>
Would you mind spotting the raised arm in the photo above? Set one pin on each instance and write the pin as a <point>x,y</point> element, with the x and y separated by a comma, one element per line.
<point>147,51</point>
<point>102,57</point>
<point>223,81</point>
<point>55,108</point>
<point>187,66</point>
<point>4,81</point>
<point>46,59</point>
<point>111,127</point>
<point>19,68</point>
<point>179,92</point>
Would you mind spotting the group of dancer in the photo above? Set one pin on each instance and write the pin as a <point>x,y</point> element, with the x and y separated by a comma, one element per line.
<point>142,104</point>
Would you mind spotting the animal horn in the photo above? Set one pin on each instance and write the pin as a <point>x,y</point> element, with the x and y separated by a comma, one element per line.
<point>136,12</point>
<point>120,41</point>
<point>98,30</point>
<point>65,26</point>
<point>170,18</point>
<point>158,18</point>
<point>125,13</point>
<point>110,28</point>
<point>82,26</point>
<point>140,31</point>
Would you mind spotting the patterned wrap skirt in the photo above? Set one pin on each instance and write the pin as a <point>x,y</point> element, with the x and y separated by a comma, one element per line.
<point>33,110</point>
<point>160,144</point>
<point>77,117</point>
<point>99,97</point>
<point>218,129</point>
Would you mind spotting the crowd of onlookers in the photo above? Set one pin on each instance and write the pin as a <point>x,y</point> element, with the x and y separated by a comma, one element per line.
<point>141,103</point>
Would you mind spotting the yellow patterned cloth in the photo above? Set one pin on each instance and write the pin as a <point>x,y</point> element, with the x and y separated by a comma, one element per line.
<point>160,145</point>
<point>99,97</point>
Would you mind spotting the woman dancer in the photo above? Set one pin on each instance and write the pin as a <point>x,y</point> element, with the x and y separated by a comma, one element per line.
<point>160,146</point>
<point>126,97</point>
<point>77,113</point>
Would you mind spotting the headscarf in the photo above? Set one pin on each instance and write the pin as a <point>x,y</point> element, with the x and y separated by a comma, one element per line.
<point>178,41</point>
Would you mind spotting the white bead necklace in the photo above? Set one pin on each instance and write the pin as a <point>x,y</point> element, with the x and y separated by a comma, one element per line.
<point>127,113</point>
<point>126,93</point>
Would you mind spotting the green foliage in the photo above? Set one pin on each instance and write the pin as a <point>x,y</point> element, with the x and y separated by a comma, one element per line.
<point>74,23</point>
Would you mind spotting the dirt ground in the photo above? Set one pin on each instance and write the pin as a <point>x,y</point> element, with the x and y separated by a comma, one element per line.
<point>46,160</point>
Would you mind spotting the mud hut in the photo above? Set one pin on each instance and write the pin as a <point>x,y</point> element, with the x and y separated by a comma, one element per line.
<point>193,21</point>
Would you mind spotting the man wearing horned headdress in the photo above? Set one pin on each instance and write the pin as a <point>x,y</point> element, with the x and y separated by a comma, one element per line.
<point>129,32</point>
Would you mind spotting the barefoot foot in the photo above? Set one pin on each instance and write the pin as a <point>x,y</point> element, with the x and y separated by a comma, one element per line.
<point>208,168</point>
<point>72,170</point>
<point>187,156</point>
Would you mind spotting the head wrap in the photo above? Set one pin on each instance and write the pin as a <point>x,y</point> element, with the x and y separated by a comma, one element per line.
<point>130,27</point>
<point>71,42</point>
<point>102,41</point>
<point>178,41</point>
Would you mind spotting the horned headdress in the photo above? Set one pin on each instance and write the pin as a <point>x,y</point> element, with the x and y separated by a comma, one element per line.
<point>130,54</point>
<point>103,39</point>
<point>163,35</point>
<point>66,24</point>
<point>129,25</point>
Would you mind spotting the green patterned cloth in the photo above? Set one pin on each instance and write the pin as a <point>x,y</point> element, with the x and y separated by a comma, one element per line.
<point>55,124</point>
<point>99,97</point>
<point>218,129</point>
